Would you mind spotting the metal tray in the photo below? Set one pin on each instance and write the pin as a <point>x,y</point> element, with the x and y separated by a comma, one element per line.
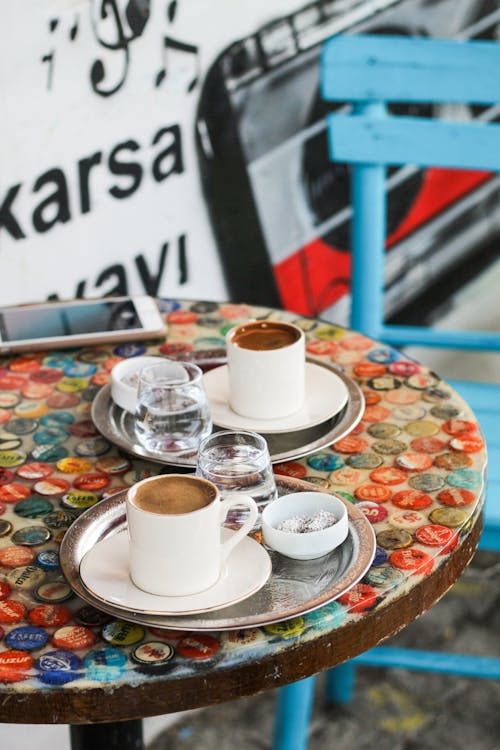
<point>294,587</point>
<point>117,426</point>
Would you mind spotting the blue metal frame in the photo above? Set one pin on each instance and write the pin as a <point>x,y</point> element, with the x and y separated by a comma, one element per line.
<point>293,714</point>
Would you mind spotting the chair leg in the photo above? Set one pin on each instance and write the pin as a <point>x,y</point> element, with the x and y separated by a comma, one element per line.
<point>340,683</point>
<point>293,713</point>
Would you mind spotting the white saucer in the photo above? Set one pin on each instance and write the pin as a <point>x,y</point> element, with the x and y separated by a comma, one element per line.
<point>104,571</point>
<point>326,395</point>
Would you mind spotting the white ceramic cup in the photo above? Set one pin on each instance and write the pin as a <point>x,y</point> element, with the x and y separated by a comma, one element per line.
<point>174,526</point>
<point>266,366</point>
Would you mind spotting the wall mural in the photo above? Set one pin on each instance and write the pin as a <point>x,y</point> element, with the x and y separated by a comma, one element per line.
<point>178,148</point>
<point>101,129</point>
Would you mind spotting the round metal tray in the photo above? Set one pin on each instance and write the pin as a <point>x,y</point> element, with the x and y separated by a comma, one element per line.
<point>117,426</point>
<point>294,587</point>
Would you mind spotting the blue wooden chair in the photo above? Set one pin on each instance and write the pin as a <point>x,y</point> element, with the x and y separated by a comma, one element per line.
<point>371,71</point>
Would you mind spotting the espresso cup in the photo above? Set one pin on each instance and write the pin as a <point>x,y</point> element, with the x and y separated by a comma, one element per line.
<point>174,527</point>
<point>266,366</point>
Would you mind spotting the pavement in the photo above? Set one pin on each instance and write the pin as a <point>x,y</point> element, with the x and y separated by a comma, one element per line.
<point>392,709</point>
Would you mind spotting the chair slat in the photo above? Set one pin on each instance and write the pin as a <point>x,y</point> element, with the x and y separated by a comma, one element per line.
<point>362,139</point>
<point>431,661</point>
<point>439,337</point>
<point>494,473</point>
<point>490,427</point>
<point>391,68</point>
<point>483,397</point>
<point>491,509</point>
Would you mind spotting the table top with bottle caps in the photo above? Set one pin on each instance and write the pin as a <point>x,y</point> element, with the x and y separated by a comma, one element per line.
<point>414,465</point>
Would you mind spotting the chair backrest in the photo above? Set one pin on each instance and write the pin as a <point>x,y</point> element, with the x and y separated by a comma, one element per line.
<point>371,71</point>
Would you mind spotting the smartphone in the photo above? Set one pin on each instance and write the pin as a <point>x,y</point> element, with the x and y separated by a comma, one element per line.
<point>58,325</point>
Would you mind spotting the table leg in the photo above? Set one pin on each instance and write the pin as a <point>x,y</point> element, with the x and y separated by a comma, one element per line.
<point>117,735</point>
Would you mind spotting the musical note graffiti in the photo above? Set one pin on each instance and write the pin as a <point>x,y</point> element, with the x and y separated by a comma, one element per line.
<point>49,58</point>
<point>116,26</point>
<point>171,43</point>
<point>124,32</point>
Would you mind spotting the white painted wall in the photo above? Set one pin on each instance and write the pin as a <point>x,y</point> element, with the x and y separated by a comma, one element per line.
<point>59,238</point>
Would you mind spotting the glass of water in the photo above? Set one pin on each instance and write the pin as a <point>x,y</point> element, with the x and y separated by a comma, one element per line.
<point>238,462</point>
<point>172,414</point>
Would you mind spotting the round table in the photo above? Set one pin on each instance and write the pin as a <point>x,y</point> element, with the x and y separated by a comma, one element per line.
<point>414,464</point>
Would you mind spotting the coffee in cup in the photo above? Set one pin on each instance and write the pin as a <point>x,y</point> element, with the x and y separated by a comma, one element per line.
<point>264,335</point>
<point>173,495</point>
<point>266,369</point>
<point>174,527</point>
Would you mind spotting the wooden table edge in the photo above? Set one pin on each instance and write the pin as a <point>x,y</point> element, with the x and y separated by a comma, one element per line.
<point>107,704</point>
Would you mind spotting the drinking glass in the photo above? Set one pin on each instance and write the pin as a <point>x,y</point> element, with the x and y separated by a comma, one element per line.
<point>237,462</point>
<point>172,414</point>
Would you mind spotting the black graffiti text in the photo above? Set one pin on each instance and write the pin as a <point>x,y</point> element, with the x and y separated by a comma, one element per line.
<point>113,280</point>
<point>67,195</point>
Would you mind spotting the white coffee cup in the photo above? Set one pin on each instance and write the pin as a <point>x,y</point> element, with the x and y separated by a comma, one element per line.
<point>174,526</point>
<point>266,366</point>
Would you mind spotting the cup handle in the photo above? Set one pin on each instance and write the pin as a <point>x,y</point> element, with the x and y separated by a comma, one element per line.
<point>226,505</point>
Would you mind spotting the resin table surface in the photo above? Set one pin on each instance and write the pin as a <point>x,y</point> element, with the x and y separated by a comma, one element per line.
<point>413,464</point>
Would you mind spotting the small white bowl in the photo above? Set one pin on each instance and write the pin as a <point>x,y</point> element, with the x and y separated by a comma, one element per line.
<point>124,378</point>
<point>311,544</point>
